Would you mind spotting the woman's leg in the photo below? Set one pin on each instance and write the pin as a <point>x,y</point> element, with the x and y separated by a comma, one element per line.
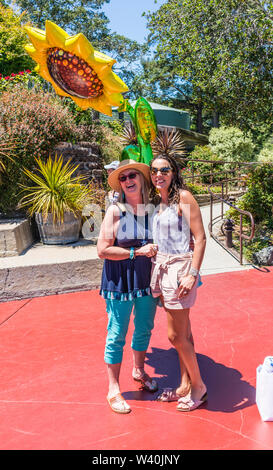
<point>118,321</point>
<point>144,313</point>
<point>179,336</point>
<point>185,383</point>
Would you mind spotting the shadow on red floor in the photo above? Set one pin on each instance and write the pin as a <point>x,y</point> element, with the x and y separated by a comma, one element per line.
<point>54,383</point>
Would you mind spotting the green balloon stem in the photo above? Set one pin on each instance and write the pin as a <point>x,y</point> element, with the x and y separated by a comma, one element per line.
<point>146,154</point>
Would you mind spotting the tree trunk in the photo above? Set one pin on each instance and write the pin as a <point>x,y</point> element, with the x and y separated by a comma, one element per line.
<point>199,119</point>
<point>216,119</point>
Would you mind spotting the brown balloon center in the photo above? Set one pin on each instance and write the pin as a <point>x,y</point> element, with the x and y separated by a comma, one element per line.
<point>73,75</point>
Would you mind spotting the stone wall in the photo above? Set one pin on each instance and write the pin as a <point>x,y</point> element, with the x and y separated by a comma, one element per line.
<point>86,155</point>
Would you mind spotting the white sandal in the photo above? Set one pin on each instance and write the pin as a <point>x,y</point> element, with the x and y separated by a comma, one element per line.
<point>118,404</point>
<point>188,404</point>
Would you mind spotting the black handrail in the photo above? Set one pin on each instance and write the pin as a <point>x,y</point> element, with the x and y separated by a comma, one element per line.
<point>242,236</point>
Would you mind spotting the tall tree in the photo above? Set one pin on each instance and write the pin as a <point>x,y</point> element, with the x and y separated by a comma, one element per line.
<point>76,16</point>
<point>13,57</point>
<point>223,50</point>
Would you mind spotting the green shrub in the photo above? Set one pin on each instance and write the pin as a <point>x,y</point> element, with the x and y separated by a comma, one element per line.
<point>116,125</point>
<point>266,155</point>
<point>54,190</point>
<point>36,121</point>
<point>259,196</point>
<point>196,188</point>
<point>205,153</point>
<point>231,145</point>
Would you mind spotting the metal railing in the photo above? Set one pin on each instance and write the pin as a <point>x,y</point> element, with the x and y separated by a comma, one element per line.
<point>239,168</point>
<point>229,228</point>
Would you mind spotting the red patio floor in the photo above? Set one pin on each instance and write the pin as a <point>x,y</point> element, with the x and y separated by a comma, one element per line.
<point>54,383</point>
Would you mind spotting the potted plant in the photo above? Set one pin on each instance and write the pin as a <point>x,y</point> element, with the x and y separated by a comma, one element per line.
<point>57,200</point>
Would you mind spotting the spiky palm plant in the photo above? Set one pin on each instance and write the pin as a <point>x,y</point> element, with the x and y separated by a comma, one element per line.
<point>55,191</point>
<point>169,142</point>
<point>129,137</point>
<point>7,148</point>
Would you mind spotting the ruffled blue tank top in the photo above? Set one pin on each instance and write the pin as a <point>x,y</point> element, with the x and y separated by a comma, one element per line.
<point>127,279</point>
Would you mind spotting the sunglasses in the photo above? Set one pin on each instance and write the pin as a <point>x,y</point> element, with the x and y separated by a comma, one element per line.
<point>131,176</point>
<point>163,171</point>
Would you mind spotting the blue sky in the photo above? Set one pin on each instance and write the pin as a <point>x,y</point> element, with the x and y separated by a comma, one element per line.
<point>125,17</point>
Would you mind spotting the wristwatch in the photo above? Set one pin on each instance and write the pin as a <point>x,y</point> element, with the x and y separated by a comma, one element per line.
<point>194,272</point>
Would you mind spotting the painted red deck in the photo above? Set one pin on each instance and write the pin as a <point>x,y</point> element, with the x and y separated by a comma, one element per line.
<point>53,378</point>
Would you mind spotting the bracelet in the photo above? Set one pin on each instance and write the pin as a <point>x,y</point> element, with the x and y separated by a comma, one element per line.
<point>194,272</point>
<point>132,252</point>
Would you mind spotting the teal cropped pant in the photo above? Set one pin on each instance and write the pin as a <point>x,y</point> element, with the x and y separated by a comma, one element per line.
<point>119,313</point>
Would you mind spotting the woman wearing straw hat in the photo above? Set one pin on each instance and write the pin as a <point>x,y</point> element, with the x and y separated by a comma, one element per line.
<point>125,243</point>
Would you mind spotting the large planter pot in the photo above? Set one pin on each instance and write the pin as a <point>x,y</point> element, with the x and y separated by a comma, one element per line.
<point>59,233</point>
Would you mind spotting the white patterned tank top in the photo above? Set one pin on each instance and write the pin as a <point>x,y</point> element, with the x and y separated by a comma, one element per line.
<point>171,231</point>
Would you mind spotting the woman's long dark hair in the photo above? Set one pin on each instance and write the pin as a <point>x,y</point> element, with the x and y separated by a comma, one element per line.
<point>176,185</point>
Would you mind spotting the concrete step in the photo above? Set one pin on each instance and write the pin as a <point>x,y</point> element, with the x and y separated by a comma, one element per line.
<point>47,269</point>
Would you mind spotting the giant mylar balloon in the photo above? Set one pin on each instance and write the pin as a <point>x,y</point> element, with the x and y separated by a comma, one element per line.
<point>144,122</point>
<point>75,69</point>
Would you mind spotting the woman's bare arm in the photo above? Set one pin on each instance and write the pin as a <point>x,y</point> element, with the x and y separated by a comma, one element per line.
<point>191,210</point>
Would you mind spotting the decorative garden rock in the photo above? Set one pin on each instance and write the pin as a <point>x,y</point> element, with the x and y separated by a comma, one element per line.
<point>85,154</point>
<point>264,257</point>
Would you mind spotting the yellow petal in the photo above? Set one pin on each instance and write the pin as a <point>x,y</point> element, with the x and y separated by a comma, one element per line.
<point>37,37</point>
<point>102,105</point>
<point>32,52</point>
<point>79,46</point>
<point>101,56</point>
<point>115,99</point>
<point>99,104</point>
<point>43,71</point>
<point>59,90</point>
<point>102,64</point>
<point>114,83</point>
<point>82,103</point>
<point>55,35</point>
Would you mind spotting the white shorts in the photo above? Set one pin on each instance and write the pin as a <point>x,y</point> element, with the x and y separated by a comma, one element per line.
<point>167,271</point>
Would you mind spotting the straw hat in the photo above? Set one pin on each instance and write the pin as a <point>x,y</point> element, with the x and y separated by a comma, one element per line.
<point>113,178</point>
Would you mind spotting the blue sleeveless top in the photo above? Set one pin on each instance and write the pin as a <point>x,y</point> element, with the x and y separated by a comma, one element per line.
<point>127,279</point>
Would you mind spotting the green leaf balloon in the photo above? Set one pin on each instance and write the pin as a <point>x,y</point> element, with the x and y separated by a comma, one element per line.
<point>145,121</point>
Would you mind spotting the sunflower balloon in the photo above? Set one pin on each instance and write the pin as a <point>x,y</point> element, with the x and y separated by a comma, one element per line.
<point>75,68</point>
